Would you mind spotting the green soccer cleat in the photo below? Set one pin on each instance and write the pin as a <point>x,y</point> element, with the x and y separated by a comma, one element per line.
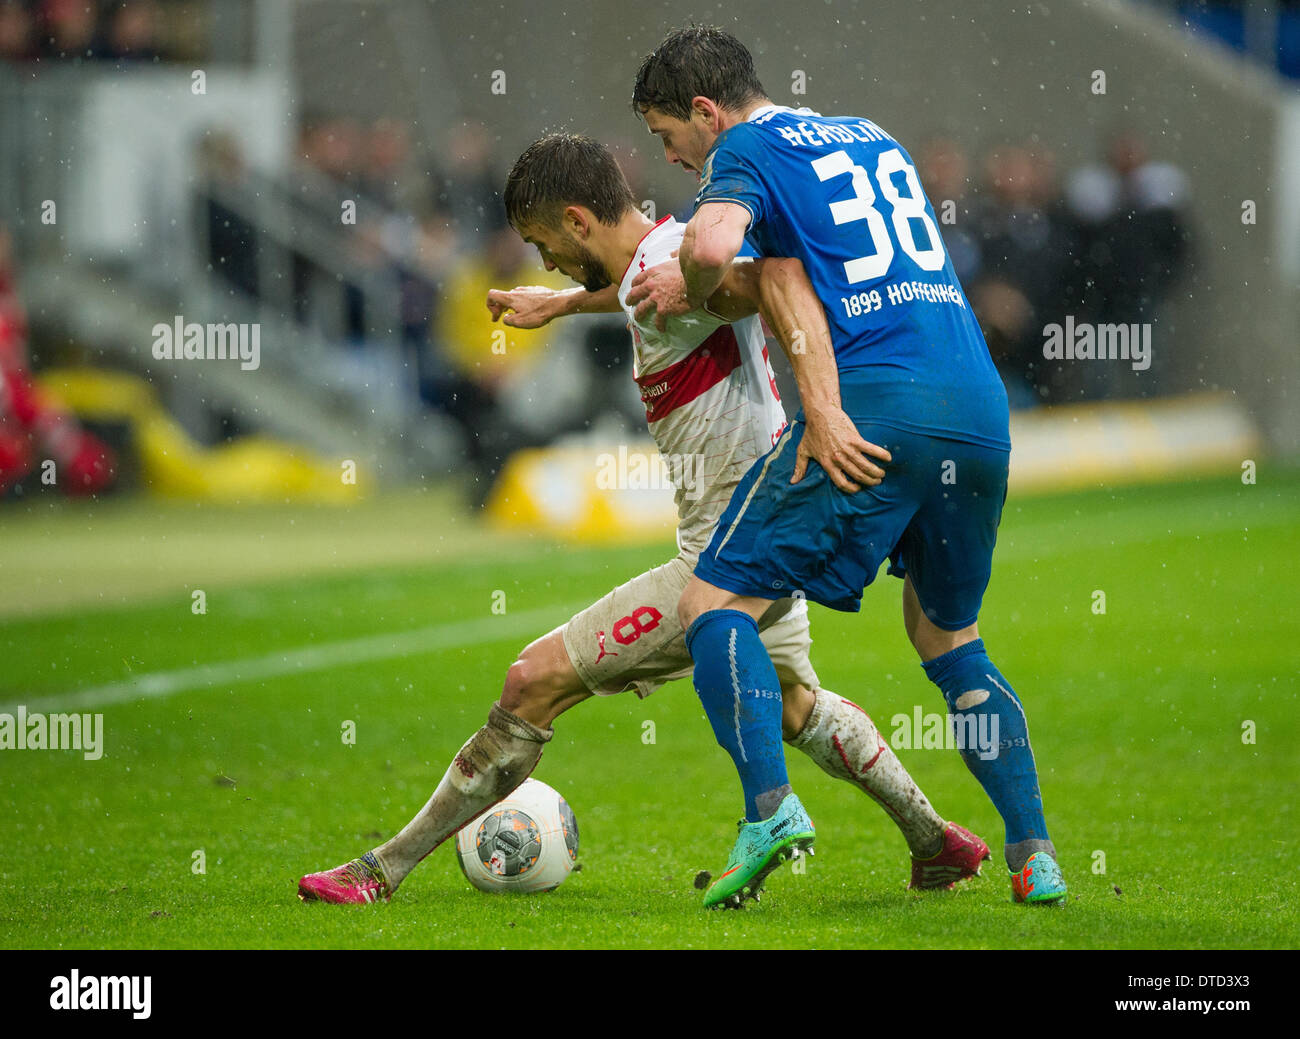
<point>760,848</point>
<point>1039,882</point>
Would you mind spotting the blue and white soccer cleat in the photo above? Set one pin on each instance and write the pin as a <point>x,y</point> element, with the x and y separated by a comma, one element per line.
<point>1039,882</point>
<point>759,849</point>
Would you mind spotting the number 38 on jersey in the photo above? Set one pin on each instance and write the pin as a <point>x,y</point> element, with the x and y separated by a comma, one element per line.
<point>907,213</point>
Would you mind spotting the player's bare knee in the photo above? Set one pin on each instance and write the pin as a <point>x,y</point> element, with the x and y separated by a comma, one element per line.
<point>927,647</point>
<point>528,682</point>
<point>931,641</point>
<point>540,677</point>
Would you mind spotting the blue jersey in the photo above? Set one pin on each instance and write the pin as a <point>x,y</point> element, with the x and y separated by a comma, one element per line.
<point>843,196</point>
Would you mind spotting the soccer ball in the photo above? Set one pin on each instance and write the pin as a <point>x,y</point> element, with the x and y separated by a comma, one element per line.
<point>528,842</point>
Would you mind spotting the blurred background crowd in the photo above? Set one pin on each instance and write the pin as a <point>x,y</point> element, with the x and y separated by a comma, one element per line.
<point>1105,242</point>
<point>75,30</point>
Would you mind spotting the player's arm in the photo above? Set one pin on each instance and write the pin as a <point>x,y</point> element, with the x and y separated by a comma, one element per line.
<point>791,308</point>
<point>739,294</point>
<point>711,242</point>
<point>532,306</point>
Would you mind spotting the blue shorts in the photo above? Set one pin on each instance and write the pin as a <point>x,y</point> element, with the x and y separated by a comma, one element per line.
<point>935,517</point>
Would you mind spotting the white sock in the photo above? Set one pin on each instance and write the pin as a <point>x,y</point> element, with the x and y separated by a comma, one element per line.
<point>491,764</point>
<point>844,742</point>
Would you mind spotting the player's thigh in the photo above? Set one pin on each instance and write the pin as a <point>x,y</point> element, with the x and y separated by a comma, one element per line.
<point>776,538</point>
<point>632,638</point>
<point>700,598</point>
<point>947,549</point>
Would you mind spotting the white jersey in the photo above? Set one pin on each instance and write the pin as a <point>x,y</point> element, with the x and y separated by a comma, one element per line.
<point>710,396</point>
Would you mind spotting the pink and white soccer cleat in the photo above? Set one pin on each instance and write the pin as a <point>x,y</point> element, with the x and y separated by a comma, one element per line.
<point>360,881</point>
<point>958,859</point>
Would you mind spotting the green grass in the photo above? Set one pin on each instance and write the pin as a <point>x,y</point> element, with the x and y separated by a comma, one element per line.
<point>1136,717</point>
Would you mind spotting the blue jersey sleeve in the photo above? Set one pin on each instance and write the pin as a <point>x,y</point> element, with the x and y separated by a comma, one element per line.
<point>730,175</point>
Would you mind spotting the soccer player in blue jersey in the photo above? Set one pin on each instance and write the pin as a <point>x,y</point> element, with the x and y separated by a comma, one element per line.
<point>913,375</point>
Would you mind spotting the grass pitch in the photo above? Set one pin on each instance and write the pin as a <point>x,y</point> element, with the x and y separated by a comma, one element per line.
<point>223,734</point>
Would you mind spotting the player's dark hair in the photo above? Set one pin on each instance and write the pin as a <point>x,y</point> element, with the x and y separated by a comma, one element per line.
<point>566,169</point>
<point>701,61</point>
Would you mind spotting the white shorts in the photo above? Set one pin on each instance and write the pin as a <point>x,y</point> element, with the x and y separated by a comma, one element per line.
<point>631,638</point>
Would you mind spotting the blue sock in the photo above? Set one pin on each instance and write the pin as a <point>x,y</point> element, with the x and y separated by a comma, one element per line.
<point>741,693</point>
<point>994,738</point>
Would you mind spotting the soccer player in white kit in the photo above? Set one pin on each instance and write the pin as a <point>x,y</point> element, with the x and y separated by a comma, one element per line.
<point>712,407</point>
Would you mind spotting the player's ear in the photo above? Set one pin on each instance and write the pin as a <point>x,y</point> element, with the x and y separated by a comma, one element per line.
<point>706,109</point>
<point>576,221</point>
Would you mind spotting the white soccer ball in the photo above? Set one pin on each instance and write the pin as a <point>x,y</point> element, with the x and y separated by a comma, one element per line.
<point>528,842</point>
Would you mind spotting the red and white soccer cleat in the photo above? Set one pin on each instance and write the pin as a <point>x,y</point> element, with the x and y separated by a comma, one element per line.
<point>958,859</point>
<point>360,881</point>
